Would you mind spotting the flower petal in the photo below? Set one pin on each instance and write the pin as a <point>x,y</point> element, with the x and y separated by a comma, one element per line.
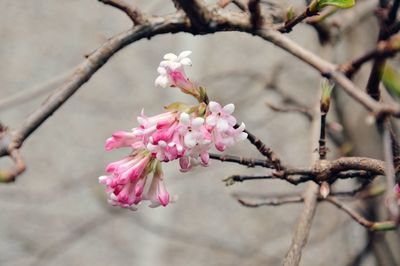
<point>214,107</point>
<point>229,108</point>
<point>186,62</point>
<point>184,54</point>
<point>170,57</point>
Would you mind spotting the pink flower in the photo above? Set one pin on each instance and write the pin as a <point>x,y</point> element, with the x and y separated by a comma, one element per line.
<point>197,140</point>
<point>121,139</point>
<point>157,193</point>
<point>186,133</point>
<point>166,142</point>
<point>221,122</point>
<point>171,71</point>
<point>172,74</point>
<point>127,178</point>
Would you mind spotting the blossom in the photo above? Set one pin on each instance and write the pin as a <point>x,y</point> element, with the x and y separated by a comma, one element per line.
<point>126,179</point>
<point>182,132</point>
<point>198,141</point>
<point>124,139</point>
<point>171,70</point>
<point>157,193</point>
<point>222,124</point>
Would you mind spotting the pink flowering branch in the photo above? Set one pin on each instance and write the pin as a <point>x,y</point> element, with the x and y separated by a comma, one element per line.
<point>186,133</point>
<point>222,21</point>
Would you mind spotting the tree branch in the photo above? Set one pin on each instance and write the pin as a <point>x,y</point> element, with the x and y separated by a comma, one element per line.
<point>256,18</point>
<point>133,12</point>
<point>290,24</point>
<point>303,226</point>
<point>197,12</point>
<point>249,162</point>
<point>373,226</point>
<point>383,50</point>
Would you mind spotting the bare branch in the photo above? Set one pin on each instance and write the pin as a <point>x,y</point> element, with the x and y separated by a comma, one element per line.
<point>373,226</point>
<point>391,195</point>
<point>222,21</point>
<point>238,3</point>
<point>289,178</point>
<point>249,162</point>
<point>133,12</point>
<point>290,24</point>
<point>330,71</point>
<point>272,201</point>
<point>303,226</point>
<point>19,167</point>
<point>256,18</point>
<point>197,12</point>
<point>264,150</point>
<point>383,50</point>
<point>291,109</point>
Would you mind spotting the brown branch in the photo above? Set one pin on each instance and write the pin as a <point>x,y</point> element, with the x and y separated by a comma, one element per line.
<point>320,171</point>
<point>378,65</point>
<point>290,109</point>
<point>8,176</point>
<point>256,18</point>
<point>249,162</point>
<point>264,150</point>
<point>373,226</point>
<point>289,178</point>
<point>391,195</point>
<point>303,226</point>
<point>330,71</point>
<point>238,3</point>
<point>197,12</point>
<point>290,24</point>
<point>222,21</point>
<point>272,201</point>
<point>132,11</point>
<point>289,199</point>
<point>383,50</point>
<point>11,140</point>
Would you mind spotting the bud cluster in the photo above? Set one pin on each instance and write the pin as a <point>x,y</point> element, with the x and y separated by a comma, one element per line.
<point>183,132</point>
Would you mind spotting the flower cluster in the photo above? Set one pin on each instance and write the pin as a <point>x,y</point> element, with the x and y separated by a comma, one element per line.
<point>182,132</point>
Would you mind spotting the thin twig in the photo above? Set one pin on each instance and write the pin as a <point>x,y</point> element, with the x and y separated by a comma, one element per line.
<point>8,176</point>
<point>249,162</point>
<point>275,201</point>
<point>383,50</point>
<point>289,178</point>
<point>132,11</point>
<point>373,226</point>
<point>290,24</point>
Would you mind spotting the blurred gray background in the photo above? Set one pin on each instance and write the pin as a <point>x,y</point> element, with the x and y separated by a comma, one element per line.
<point>56,212</point>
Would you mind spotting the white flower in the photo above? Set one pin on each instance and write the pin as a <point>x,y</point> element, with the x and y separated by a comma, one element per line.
<point>222,122</point>
<point>171,70</point>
